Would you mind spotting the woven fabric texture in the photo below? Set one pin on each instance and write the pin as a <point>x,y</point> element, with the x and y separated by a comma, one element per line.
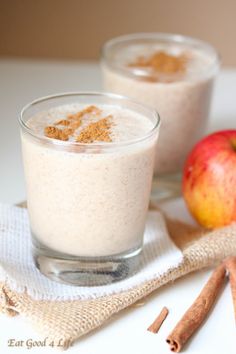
<point>66,321</point>
<point>17,267</point>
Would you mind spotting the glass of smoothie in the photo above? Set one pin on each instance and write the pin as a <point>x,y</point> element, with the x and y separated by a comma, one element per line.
<point>88,161</point>
<point>173,74</point>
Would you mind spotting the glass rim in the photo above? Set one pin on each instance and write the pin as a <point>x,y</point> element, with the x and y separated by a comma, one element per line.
<point>105,145</point>
<point>171,37</point>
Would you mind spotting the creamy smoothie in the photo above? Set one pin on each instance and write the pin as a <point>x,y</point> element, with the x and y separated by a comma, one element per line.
<point>173,74</point>
<point>88,173</point>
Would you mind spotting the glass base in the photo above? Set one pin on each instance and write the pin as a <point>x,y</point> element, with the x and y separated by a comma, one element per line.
<point>85,271</point>
<point>166,187</point>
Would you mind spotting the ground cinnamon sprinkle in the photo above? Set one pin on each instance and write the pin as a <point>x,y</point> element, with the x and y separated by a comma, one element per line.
<point>88,110</point>
<point>162,62</point>
<point>95,131</point>
<point>68,131</point>
<point>64,122</point>
<point>75,124</point>
<point>75,116</point>
<point>55,133</point>
<point>92,109</point>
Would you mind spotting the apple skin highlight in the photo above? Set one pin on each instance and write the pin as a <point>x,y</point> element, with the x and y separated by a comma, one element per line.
<point>209,180</point>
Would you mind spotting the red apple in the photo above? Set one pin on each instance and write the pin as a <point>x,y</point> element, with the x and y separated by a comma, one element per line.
<point>209,180</point>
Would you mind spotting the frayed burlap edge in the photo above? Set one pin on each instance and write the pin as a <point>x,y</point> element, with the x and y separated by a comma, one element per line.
<point>65,321</point>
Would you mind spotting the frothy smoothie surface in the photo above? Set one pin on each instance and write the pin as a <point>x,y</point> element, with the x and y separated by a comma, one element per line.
<point>88,202</point>
<point>175,78</point>
<point>90,124</point>
<point>164,63</point>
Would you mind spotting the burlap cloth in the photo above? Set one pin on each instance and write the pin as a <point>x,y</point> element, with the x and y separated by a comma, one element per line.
<point>66,321</point>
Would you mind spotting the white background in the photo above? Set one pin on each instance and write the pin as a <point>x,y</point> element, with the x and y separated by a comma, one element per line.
<point>20,82</point>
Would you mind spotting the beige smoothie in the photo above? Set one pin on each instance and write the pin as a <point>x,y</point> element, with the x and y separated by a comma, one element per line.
<point>88,174</point>
<point>172,74</point>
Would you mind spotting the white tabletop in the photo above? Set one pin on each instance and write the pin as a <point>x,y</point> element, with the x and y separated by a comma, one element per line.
<point>22,81</point>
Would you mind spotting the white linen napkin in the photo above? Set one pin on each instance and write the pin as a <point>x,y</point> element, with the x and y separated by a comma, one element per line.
<point>18,270</point>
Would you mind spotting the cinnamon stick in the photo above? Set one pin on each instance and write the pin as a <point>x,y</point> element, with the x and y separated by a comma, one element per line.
<point>196,314</point>
<point>156,325</point>
<point>230,264</point>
